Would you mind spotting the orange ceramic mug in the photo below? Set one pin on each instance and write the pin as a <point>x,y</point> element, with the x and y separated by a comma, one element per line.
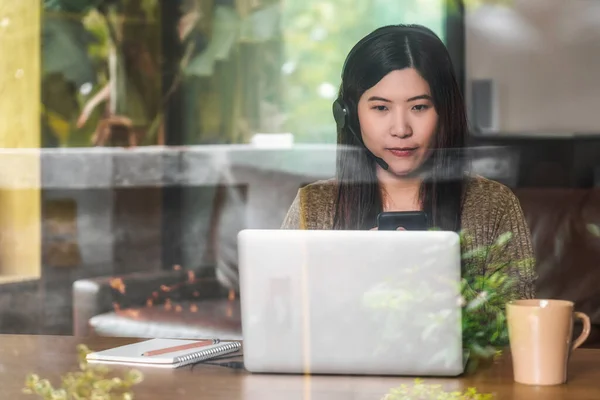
<point>540,334</point>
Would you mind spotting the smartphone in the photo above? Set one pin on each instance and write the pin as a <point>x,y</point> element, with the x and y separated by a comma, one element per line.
<point>409,220</point>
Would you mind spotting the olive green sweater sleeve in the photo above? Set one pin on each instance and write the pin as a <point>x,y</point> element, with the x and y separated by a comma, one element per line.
<point>518,253</point>
<point>492,216</point>
<point>293,217</point>
<point>313,207</point>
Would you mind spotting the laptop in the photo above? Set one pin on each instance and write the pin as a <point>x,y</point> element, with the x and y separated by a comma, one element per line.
<point>351,302</point>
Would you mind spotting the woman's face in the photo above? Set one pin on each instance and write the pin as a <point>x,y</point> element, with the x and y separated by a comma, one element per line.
<point>398,121</point>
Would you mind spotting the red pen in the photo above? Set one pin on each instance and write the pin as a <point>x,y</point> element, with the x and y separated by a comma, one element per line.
<point>173,349</point>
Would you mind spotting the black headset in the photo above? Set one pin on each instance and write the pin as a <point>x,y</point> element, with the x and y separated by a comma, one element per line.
<point>341,111</point>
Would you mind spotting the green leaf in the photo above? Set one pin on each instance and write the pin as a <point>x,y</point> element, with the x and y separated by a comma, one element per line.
<point>479,253</point>
<point>594,229</point>
<point>64,50</point>
<point>59,394</point>
<point>71,6</point>
<point>422,390</point>
<point>261,25</point>
<point>503,239</point>
<point>224,34</point>
<point>134,376</point>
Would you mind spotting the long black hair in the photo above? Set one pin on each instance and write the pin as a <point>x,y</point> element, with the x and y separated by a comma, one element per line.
<point>384,50</point>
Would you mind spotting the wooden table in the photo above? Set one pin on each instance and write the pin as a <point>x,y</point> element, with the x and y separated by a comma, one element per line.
<point>52,356</point>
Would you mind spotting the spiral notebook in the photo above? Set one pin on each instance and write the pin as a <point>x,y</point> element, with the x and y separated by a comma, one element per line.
<point>136,354</point>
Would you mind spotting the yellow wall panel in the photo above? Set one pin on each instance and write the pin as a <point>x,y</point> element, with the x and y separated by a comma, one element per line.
<point>20,202</point>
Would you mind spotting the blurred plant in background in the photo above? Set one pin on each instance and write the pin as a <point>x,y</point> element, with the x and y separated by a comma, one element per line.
<point>103,52</point>
<point>230,74</point>
<point>102,70</point>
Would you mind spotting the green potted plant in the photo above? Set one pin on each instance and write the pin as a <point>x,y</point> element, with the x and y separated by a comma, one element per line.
<point>484,297</point>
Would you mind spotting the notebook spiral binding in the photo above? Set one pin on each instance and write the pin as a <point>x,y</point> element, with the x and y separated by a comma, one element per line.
<point>220,349</point>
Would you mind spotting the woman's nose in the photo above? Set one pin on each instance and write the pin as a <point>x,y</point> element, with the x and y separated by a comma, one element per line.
<point>400,126</point>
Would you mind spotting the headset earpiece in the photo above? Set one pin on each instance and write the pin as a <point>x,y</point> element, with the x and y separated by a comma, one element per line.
<point>340,113</point>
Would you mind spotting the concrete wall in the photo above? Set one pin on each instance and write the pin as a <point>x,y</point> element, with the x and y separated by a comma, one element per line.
<point>544,57</point>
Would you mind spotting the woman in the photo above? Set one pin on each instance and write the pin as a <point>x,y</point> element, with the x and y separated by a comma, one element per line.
<point>400,104</point>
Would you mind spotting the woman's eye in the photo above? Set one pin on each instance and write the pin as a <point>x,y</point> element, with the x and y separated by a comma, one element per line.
<point>379,108</point>
<point>420,107</point>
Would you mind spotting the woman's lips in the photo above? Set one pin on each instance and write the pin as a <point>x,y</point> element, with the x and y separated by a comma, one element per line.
<point>403,151</point>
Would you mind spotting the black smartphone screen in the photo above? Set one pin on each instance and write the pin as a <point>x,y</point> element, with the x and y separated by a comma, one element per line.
<point>409,220</point>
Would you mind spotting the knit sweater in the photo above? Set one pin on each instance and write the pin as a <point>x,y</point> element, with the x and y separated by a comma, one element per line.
<point>489,210</point>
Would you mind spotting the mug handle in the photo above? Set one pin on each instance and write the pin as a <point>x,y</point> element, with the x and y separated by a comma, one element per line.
<point>585,332</point>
